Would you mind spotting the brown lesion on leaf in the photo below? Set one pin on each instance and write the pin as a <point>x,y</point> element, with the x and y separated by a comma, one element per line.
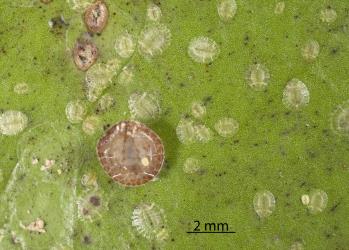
<point>87,240</point>
<point>85,53</point>
<point>95,200</point>
<point>58,25</point>
<point>96,16</point>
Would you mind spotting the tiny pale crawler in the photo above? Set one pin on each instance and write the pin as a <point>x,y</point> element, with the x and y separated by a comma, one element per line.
<point>226,127</point>
<point>144,106</point>
<point>318,201</point>
<point>154,12</point>
<point>79,5</point>
<point>264,203</point>
<point>75,111</point>
<point>105,103</point>
<point>149,220</point>
<point>12,122</point>
<point>203,49</point>
<point>310,50</point>
<point>99,77</point>
<point>185,131</point>
<point>305,199</point>
<point>21,88</point>
<point>89,180</point>
<point>202,133</point>
<point>124,45</point>
<point>279,8</point>
<point>191,165</point>
<point>96,16</point>
<point>340,119</point>
<point>131,153</point>
<point>328,15</point>
<point>257,76</point>
<point>153,40</point>
<point>226,9</point>
<point>126,75</point>
<point>91,124</point>
<point>198,110</point>
<point>296,94</point>
<point>297,245</point>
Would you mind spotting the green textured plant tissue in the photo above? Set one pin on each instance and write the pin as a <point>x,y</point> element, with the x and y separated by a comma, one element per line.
<point>250,100</point>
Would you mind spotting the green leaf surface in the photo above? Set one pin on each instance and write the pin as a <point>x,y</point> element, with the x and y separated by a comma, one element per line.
<point>50,170</point>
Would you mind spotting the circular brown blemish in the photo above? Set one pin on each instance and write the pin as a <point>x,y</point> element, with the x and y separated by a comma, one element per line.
<point>85,54</point>
<point>96,16</point>
<point>85,211</point>
<point>87,240</point>
<point>131,153</point>
<point>95,201</point>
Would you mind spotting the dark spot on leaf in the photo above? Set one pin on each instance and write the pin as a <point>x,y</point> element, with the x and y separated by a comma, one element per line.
<point>335,207</point>
<point>207,100</point>
<point>87,239</point>
<point>58,25</point>
<point>95,201</point>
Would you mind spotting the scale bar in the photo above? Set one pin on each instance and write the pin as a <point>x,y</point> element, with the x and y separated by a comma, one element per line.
<point>204,232</point>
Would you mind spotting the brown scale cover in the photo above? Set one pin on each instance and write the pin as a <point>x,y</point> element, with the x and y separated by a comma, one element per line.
<point>85,54</point>
<point>96,16</point>
<point>131,153</point>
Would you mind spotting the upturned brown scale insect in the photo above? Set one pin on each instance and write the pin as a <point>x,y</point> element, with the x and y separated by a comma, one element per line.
<point>96,16</point>
<point>85,54</point>
<point>131,153</point>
